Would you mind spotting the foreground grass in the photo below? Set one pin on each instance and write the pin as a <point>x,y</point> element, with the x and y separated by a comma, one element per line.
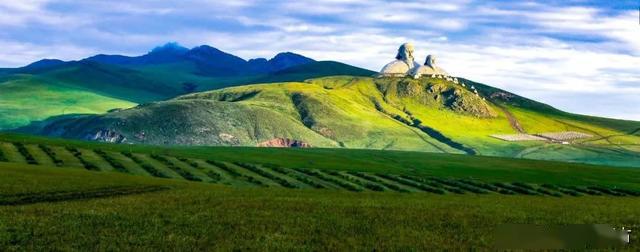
<point>197,216</point>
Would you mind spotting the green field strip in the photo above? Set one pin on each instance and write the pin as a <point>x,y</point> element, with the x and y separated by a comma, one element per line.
<point>410,183</point>
<point>265,180</point>
<point>304,180</point>
<point>93,158</point>
<point>24,152</point>
<point>185,174</point>
<point>270,175</point>
<point>51,154</point>
<point>235,174</point>
<point>331,179</point>
<point>147,169</point>
<point>536,189</point>
<point>434,184</point>
<point>157,165</point>
<point>459,185</point>
<point>358,181</point>
<point>115,164</point>
<point>40,156</point>
<point>131,166</point>
<point>372,179</point>
<point>187,167</point>
<point>558,189</point>
<point>48,197</point>
<point>67,157</point>
<point>487,187</point>
<point>214,172</point>
<point>11,153</point>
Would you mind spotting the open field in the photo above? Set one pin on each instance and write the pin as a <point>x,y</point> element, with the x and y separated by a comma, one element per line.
<point>47,207</point>
<point>88,195</point>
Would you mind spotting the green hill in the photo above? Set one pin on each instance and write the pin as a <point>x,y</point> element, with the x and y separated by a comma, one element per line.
<point>432,115</point>
<point>87,87</point>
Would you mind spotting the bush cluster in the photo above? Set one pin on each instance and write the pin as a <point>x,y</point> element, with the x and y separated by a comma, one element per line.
<point>605,191</point>
<point>114,163</point>
<point>538,190</point>
<point>410,183</point>
<point>515,189</point>
<point>332,180</point>
<point>257,170</point>
<point>147,167</point>
<point>584,190</point>
<point>460,185</point>
<point>487,187</point>
<point>235,173</point>
<point>370,186</point>
<point>182,172</point>
<point>627,191</point>
<point>214,176</point>
<point>51,154</point>
<point>87,165</point>
<point>298,177</point>
<point>25,153</point>
<point>433,184</point>
<point>379,181</point>
<point>3,158</point>
<point>191,163</point>
<point>560,189</point>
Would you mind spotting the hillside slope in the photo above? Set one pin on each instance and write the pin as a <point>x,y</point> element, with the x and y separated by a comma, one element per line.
<point>111,86</point>
<point>428,114</point>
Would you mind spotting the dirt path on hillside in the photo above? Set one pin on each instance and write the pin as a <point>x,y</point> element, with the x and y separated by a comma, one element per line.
<point>513,121</point>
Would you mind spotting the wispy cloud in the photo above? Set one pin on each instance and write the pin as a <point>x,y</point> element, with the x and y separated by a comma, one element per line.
<point>566,53</point>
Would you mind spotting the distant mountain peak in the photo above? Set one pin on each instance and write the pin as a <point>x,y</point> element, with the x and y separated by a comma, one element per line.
<point>171,47</point>
<point>288,59</point>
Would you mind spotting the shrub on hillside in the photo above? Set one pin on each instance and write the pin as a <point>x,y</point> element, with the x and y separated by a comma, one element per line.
<point>182,172</point>
<point>51,154</point>
<point>329,179</point>
<point>257,170</point>
<point>25,153</point>
<point>114,163</point>
<point>413,184</point>
<point>87,165</point>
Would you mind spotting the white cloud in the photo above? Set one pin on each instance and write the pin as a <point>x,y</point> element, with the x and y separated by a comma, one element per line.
<point>567,56</point>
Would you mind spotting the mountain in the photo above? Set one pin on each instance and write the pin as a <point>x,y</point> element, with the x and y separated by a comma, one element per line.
<point>427,114</point>
<point>104,82</point>
<point>209,61</point>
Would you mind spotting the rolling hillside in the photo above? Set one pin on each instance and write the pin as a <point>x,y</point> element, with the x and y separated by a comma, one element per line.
<point>104,82</point>
<point>429,114</point>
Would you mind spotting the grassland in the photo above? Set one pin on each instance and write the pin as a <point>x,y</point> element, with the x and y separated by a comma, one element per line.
<point>109,197</point>
<point>430,115</point>
<point>27,99</point>
<point>74,209</point>
<point>86,87</point>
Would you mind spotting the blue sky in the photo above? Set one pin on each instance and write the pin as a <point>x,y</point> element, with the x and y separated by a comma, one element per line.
<point>582,56</point>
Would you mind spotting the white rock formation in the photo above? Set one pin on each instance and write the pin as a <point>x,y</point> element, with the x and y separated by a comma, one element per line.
<point>429,67</point>
<point>403,65</point>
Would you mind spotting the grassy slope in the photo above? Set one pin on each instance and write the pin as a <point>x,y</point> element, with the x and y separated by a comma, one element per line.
<point>27,98</point>
<point>200,216</point>
<point>140,84</point>
<point>357,112</point>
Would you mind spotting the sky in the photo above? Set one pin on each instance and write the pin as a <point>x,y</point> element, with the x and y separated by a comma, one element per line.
<point>581,56</point>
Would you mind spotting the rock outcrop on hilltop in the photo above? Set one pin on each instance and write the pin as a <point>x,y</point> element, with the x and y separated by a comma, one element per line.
<point>429,68</point>
<point>404,65</point>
